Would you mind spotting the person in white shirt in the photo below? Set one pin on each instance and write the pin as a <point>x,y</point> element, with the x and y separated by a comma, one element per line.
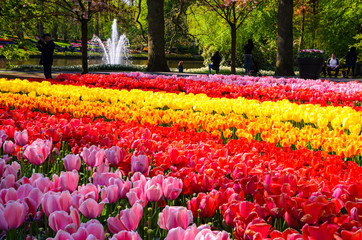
<point>333,64</point>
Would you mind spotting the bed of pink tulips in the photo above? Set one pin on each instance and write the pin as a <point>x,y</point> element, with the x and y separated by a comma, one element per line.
<point>79,178</point>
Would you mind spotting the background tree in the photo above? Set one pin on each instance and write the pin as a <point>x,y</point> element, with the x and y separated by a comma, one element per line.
<point>234,13</point>
<point>156,37</point>
<point>284,63</point>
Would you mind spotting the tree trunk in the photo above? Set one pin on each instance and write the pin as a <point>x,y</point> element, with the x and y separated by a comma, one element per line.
<point>84,26</point>
<point>233,48</point>
<point>284,65</point>
<point>301,39</point>
<point>156,37</point>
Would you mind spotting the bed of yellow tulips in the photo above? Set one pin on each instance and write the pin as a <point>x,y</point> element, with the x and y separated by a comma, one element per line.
<point>271,121</point>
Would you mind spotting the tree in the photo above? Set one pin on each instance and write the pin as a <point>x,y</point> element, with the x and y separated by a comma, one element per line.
<point>284,63</point>
<point>234,13</point>
<point>83,11</point>
<point>156,36</point>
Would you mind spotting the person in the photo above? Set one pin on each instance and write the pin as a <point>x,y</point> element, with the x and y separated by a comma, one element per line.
<point>351,60</point>
<point>248,48</point>
<point>180,66</point>
<point>46,46</point>
<point>333,64</point>
<point>215,59</point>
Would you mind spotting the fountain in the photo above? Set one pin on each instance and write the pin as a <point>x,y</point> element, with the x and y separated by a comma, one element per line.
<point>116,49</point>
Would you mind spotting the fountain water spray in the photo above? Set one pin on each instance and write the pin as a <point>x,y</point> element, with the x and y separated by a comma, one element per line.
<point>116,50</point>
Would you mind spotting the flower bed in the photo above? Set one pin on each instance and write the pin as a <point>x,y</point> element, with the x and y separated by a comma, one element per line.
<point>97,163</point>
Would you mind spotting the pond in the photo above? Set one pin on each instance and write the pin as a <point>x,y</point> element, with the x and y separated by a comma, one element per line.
<point>78,61</point>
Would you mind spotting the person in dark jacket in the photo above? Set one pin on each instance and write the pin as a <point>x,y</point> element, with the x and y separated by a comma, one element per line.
<point>46,47</point>
<point>248,48</point>
<point>351,60</point>
<point>215,59</point>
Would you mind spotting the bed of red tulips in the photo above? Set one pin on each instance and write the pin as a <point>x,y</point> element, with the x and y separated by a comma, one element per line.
<point>83,178</point>
<point>214,89</point>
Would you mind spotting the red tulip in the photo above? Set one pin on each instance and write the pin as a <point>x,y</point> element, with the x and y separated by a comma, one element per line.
<point>322,232</point>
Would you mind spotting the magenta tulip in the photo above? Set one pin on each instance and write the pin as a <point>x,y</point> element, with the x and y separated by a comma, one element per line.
<point>139,163</point>
<point>114,155</point>
<point>56,202</point>
<point>172,188</point>
<point>12,215</point>
<point>91,209</point>
<point>69,181</point>
<point>21,138</point>
<point>9,147</point>
<point>93,156</point>
<point>173,217</point>
<point>128,219</point>
<point>72,162</point>
<point>104,177</point>
<point>126,235</point>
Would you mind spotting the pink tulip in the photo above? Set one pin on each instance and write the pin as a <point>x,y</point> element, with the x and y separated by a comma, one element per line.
<point>21,138</point>
<point>123,186</point>
<point>215,235</point>
<point>9,147</point>
<point>138,195</point>
<point>38,151</point>
<point>62,235</point>
<point>184,234</point>
<point>128,219</point>
<point>172,188</point>
<point>89,191</point>
<point>61,220</point>
<point>72,162</point>
<point>154,188</point>
<point>110,193</point>
<point>92,227</point>
<point>3,137</point>
<point>93,156</point>
<point>12,169</point>
<point>69,181</point>
<point>114,155</point>
<point>7,182</point>
<point>139,163</point>
<point>91,209</point>
<point>44,184</point>
<point>56,202</point>
<point>2,166</point>
<point>126,235</point>
<point>12,215</point>
<point>173,217</point>
<point>104,177</point>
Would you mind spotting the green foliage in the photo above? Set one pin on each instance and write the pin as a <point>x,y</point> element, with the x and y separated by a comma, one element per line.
<point>12,52</point>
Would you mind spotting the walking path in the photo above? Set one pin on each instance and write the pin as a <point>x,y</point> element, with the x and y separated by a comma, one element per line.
<point>38,74</point>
